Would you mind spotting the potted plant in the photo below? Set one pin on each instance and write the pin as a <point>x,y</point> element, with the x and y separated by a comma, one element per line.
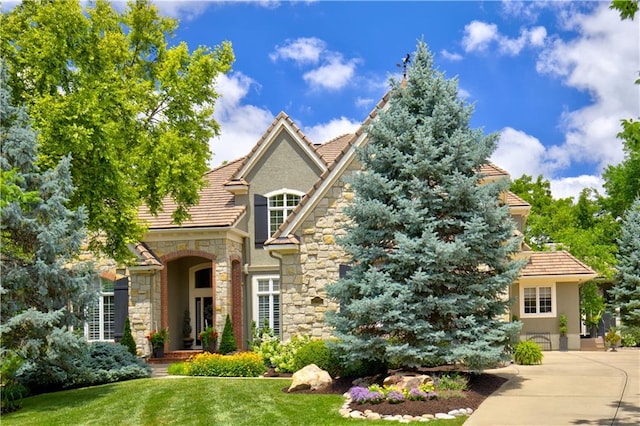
<point>187,339</point>
<point>209,338</point>
<point>612,339</point>
<point>157,339</point>
<point>563,328</point>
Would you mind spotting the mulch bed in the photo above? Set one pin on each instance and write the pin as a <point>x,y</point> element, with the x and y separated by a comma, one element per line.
<point>480,387</point>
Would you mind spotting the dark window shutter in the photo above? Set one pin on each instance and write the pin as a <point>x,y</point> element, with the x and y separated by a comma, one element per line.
<point>260,219</point>
<point>121,306</point>
<point>343,270</point>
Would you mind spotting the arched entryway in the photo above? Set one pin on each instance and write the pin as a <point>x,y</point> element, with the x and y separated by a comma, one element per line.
<point>187,284</point>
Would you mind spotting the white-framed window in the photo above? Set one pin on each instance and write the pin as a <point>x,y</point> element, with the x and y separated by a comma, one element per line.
<point>266,301</point>
<point>100,325</point>
<point>538,300</point>
<point>280,205</point>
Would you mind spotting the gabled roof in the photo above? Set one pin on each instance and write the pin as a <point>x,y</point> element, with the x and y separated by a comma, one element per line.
<point>331,150</point>
<point>491,171</point>
<point>548,263</point>
<point>215,209</point>
<point>282,121</point>
<point>514,201</point>
<point>144,256</point>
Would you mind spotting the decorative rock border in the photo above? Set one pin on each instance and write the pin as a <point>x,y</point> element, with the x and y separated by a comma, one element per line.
<point>347,412</point>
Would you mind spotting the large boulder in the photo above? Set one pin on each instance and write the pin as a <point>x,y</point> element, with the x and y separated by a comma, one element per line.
<point>407,380</point>
<point>310,377</point>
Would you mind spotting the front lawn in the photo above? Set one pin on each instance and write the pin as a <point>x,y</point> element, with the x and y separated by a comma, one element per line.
<point>186,401</point>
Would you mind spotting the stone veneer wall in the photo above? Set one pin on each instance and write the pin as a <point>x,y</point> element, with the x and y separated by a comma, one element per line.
<point>306,273</point>
<point>145,286</point>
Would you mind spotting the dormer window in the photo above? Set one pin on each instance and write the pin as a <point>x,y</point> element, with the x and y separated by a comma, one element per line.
<point>280,206</point>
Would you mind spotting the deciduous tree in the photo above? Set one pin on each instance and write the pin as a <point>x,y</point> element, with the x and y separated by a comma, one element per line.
<point>430,246</point>
<point>134,112</point>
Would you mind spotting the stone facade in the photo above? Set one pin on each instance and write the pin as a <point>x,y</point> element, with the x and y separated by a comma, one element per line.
<point>145,295</point>
<point>305,274</point>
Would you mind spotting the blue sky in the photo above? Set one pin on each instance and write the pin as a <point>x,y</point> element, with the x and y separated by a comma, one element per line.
<point>554,78</point>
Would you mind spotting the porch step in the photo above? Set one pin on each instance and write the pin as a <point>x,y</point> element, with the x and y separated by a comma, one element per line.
<point>175,356</point>
<point>592,344</point>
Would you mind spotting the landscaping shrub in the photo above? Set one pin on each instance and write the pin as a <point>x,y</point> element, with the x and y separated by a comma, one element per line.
<point>228,340</point>
<point>316,352</point>
<point>12,390</point>
<point>527,353</point>
<point>281,356</point>
<point>244,364</point>
<point>111,362</point>
<point>630,336</point>
<point>127,339</point>
<point>180,369</point>
<point>451,381</point>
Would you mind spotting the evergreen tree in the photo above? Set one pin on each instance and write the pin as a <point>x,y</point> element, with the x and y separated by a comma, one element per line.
<point>431,247</point>
<point>43,295</point>
<point>626,291</point>
<point>127,338</point>
<point>228,340</point>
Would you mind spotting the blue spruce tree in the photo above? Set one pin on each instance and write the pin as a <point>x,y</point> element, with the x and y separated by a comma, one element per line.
<point>431,246</point>
<point>626,290</point>
<point>43,295</point>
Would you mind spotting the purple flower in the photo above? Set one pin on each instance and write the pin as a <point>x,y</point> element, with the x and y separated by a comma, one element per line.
<point>361,395</point>
<point>395,397</point>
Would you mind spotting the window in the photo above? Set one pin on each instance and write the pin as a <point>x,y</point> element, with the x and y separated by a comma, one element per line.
<point>266,302</point>
<point>280,206</point>
<point>538,301</point>
<point>100,323</point>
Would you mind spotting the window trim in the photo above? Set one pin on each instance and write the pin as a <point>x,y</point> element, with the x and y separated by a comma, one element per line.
<point>100,306</point>
<point>537,314</point>
<point>286,211</point>
<point>254,298</point>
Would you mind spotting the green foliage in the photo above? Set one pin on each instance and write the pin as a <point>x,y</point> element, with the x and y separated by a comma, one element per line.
<point>432,248</point>
<point>134,110</point>
<point>626,289</point>
<point>127,339</point>
<point>586,229</point>
<point>12,390</point>
<point>243,364</point>
<point>281,355</point>
<point>316,352</point>
<point>612,338</point>
<point>630,336</point>
<point>180,369</point>
<point>40,276</point>
<point>259,335</point>
<point>563,325</point>
<point>592,305</point>
<point>627,8</point>
<point>209,337</point>
<point>451,382</point>
<point>228,340</point>
<point>622,181</point>
<point>527,353</point>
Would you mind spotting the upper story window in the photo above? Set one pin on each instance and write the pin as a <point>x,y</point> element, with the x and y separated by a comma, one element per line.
<point>271,211</point>
<point>280,206</point>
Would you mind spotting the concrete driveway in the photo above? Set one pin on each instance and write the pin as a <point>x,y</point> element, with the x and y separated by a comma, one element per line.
<point>569,388</point>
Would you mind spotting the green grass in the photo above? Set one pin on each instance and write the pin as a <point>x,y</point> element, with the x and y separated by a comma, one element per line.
<point>186,401</point>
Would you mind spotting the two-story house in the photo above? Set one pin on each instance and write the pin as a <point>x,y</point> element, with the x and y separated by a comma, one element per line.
<point>261,246</point>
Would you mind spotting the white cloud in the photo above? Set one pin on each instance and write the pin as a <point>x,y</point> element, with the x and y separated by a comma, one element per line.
<point>334,75</point>
<point>451,56</point>
<point>241,125</point>
<point>479,36</point>
<point>573,186</point>
<point>324,132</point>
<point>301,50</point>
<point>519,154</point>
<point>602,60</point>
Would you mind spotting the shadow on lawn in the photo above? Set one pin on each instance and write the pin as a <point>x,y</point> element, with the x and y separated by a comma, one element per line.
<point>73,398</point>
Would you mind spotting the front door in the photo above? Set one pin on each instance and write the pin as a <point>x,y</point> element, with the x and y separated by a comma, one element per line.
<point>201,301</point>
